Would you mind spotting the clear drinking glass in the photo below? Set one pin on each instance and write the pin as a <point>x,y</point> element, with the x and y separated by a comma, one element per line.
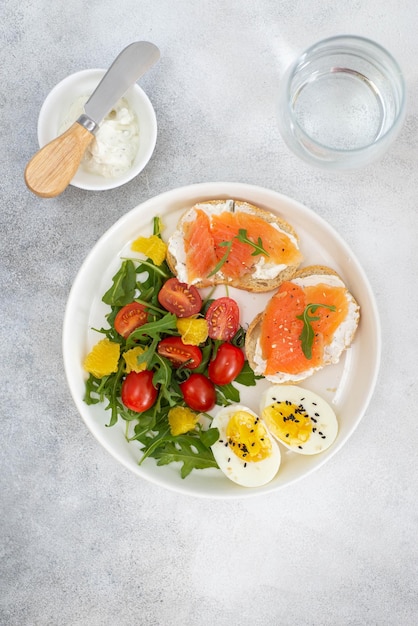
<point>342,102</point>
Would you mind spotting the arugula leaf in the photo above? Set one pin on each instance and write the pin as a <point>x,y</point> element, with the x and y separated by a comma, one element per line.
<point>163,375</point>
<point>163,370</point>
<point>258,247</point>
<point>208,437</point>
<point>167,324</point>
<point>151,423</point>
<point>155,268</point>
<point>186,449</point>
<point>307,335</point>
<point>247,377</point>
<point>243,238</point>
<point>107,388</point>
<point>123,288</point>
<point>157,226</point>
<point>238,339</point>
<point>228,245</point>
<point>92,393</point>
<point>226,394</point>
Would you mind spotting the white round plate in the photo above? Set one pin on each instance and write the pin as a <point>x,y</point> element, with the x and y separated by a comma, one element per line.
<point>348,386</point>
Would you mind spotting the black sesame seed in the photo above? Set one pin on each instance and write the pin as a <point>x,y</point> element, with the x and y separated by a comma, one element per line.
<point>245,465</point>
<point>300,447</point>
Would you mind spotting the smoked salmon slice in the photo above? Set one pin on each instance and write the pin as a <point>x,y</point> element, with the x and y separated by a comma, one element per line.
<point>199,247</point>
<point>281,328</point>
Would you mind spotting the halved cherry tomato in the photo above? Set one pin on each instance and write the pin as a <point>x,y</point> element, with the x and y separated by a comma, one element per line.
<point>223,319</point>
<point>178,353</point>
<point>179,298</point>
<point>226,365</point>
<point>199,392</point>
<point>130,317</point>
<point>138,393</point>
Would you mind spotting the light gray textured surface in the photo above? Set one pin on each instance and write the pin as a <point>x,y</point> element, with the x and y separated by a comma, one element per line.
<point>83,541</point>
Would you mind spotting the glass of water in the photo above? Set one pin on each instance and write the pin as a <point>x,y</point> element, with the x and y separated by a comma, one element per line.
<point>342,103</point>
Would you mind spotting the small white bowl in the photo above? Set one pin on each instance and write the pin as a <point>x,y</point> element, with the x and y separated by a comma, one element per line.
<point>58,103</point>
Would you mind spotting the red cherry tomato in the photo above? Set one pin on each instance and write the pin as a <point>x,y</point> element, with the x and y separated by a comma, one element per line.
<point>179,298</point>
<point>178,353</point>
<point>130,317</point>
<point>199,392</point>
<point>138,392</point>
<point>226,365</point>
<point>223,319</point>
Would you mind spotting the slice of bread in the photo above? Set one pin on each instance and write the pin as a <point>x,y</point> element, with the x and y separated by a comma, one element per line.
<point>265,276</point>
<point>341,338</point>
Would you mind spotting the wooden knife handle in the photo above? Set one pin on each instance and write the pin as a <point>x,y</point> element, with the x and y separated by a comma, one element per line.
<point>51,170</point>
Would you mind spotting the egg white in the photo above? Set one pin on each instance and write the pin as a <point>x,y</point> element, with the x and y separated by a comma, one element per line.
<point>247,474</point>
<point>320,414</point>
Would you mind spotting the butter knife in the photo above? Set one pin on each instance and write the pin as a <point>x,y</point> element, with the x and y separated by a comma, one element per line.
<point>52,168</point>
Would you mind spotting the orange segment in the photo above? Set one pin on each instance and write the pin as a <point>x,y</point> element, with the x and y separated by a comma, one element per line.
<point>280,332</point>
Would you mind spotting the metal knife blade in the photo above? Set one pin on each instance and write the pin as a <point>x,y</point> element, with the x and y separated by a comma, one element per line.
<point>129,65</point>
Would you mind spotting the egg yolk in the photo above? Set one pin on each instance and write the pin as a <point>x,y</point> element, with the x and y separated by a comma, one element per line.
<point>247,437</point>
<point>288,422</point>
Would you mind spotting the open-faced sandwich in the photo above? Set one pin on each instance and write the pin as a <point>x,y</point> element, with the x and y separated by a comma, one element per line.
<point>234,243</point>
<point>306,325</point>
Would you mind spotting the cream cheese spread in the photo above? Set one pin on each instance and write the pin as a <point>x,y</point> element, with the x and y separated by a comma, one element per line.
<point>115,143</point>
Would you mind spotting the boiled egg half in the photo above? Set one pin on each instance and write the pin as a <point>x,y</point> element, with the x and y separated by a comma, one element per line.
<point>299,419</point>
<point>245,451</point>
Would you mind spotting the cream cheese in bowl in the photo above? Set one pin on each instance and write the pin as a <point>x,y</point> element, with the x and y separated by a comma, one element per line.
<point>123,143</point>
<point>115,143</point>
